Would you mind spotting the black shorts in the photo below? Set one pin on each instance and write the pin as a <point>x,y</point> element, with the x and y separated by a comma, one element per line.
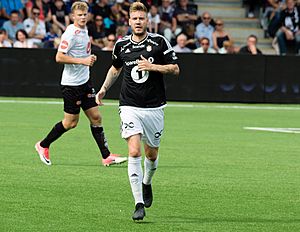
<point>76,97</point>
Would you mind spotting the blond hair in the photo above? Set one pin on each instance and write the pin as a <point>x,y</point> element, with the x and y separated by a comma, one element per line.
<point>83,6</point>
<point>137,6</point>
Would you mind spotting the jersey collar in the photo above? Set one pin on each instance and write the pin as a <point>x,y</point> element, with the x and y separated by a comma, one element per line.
<point>142,41</point>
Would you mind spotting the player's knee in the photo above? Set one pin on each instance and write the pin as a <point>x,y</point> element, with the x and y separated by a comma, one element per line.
<point>151,152</point>
<point>134,152</point>
<point>96,119</point>
<point>70,124</point>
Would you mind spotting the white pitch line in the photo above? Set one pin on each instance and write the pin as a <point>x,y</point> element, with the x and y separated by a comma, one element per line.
<point>246,107</point>
<point>281,130</point>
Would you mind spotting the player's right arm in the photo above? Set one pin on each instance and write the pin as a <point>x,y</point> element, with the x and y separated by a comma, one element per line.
<point>65,59</point>
<point>111,76</point>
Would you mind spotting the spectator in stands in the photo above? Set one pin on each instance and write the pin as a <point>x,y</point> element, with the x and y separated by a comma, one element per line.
<point>44,9</point>
<point>205,29</point>
<point>13,24</point>
<point>2,19</point>
<point>110,42</point>
<point>35,28</point>
<point>289,30</point>
<point>168,24</point>
<point>219,35</point>
<point>251,47</point>
<point>115,19</point>
<point>228,48</point>
<point>253,5</point>
<point>184,14</point>
<point>4,42</point>
<point>22,40</point>
<point>181,42</point>
<point>60,16</point>
<point>9,5</point>
<point>101,8</point>
<point>270,10</point>
<point>53,33</point>
<point>153,19</point>
<point>97,33</point>
<point>204,46</point>
<point>191,42</point>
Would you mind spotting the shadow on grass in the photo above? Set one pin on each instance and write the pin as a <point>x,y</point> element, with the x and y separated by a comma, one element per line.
<point>228,220</point>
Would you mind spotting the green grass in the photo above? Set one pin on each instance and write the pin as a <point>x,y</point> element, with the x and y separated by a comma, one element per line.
<point>213,175</point>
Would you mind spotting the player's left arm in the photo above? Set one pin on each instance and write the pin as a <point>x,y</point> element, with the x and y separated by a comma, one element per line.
<point>145,65</point>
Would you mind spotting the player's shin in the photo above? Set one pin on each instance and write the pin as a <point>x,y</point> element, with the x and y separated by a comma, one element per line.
<point>149,170</point>
<point>53,135</point>
<point>135,174</point>
<point>101,141</point>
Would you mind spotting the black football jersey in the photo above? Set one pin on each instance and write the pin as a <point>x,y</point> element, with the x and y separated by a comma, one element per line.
<point>142,88</point>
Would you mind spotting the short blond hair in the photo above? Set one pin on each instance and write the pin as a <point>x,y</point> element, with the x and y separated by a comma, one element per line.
<point>137,6</point>
<point>79,6</point>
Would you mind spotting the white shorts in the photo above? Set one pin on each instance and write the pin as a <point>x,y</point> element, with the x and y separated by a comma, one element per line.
<point>147,122</point>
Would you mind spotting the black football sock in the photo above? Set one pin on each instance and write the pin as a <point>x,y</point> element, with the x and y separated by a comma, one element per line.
<point>100,139</point>
<point>53,135</point>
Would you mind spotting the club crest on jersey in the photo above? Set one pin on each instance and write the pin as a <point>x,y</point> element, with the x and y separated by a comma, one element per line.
<point>148,48</point>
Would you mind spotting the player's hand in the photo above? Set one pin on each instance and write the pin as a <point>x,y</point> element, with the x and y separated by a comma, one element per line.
<point>99,96</point>
<point>90,60</point>
<point>144,64</point>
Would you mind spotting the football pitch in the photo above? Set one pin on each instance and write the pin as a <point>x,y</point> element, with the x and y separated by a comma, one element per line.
<point>213,174</point>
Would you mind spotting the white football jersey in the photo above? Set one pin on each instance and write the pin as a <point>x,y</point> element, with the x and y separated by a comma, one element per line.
<point>75,42</point>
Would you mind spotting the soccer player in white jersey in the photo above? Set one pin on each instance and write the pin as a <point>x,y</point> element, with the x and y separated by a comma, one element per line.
<point>145,58</point>
<point>75,53</point>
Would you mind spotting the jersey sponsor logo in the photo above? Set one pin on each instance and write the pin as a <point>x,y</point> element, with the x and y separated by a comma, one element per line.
<point>133,62</point>
<point>138,46</point>
<point>139,76</point>
<point>64,44</point>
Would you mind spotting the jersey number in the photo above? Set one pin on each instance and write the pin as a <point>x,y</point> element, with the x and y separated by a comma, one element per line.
<point>139,76</point>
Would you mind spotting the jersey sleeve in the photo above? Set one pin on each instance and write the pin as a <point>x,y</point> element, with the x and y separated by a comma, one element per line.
<point>116,59</point>
<point>169,54</point>
<point>66,42</point>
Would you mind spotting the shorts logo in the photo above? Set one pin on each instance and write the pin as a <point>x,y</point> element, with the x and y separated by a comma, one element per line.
<point>64,44</point>
<point>91,95</point>
<point>128,125</point>
<point>157,135</point>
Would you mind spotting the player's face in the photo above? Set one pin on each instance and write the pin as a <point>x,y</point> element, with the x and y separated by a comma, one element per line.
<point>138,22</point>
<point>80,18</point>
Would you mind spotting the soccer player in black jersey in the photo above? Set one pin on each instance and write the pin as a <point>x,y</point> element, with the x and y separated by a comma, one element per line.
<point>144,58</point>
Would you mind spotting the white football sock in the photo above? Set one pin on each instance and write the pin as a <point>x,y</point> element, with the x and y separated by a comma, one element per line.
<point>135,174</point>
<point>150,168</point>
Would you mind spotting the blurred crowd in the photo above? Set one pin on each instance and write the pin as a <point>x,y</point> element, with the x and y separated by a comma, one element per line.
<point>40,24</point>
